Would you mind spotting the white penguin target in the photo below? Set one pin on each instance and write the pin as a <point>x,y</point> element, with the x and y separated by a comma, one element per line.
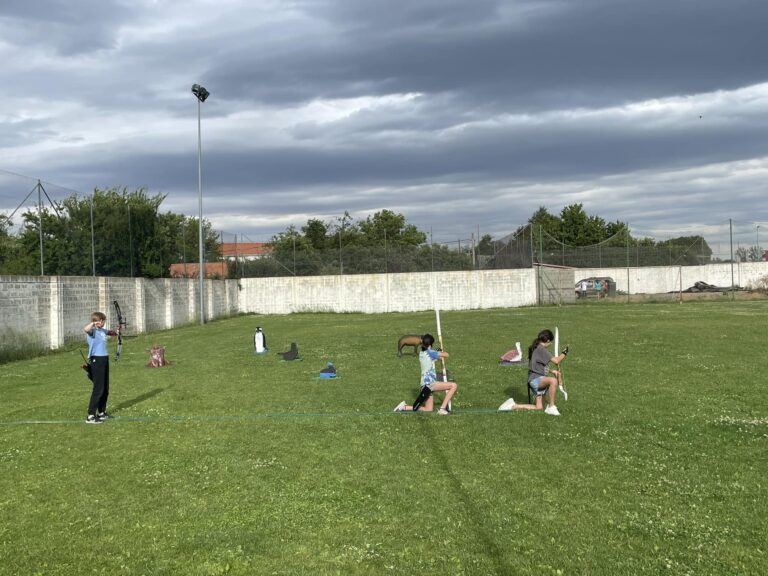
<point>260,341</point>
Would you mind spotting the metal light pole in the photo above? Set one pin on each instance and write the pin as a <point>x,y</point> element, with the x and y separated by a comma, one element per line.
<point>201,94</point>
<point>93,246</point>
<point>757,238</point>
<point>40,226</point>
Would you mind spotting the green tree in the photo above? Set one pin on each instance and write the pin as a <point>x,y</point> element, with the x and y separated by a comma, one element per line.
<point>123,231</point>
<point>543,221</point>
<point>576,238</point>
<point>9,248</point>
<point>392,228</point>
<point>383,242</point>
<point>49,227</point>
<point>580,229</point>
<point>315,232</point>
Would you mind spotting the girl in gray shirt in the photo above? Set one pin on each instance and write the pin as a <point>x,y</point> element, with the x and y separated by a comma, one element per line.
<point>539,379</point>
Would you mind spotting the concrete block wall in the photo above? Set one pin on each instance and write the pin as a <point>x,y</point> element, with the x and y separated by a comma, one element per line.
<point>483,289</point>
<point>664,279</point>
<point>556,285</point>
<point>380,293</point>
<point>48,311</point>
<point>80,297</point>
<point>222,296</point>
<point>155,296</point>
<point>24,311</point>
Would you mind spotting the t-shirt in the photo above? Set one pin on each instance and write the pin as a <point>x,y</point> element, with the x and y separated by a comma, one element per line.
<point>537,365</point>
<point>427,360</point>
<point>97,342</point>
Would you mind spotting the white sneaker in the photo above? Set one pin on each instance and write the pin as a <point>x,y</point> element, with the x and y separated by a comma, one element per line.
<point>552,410</point>
<point>400,407</point>
<point>507,406</point>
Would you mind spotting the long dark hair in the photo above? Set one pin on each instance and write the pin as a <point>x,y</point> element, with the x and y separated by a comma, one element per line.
<point>544,336</point>
<point>426,341</point>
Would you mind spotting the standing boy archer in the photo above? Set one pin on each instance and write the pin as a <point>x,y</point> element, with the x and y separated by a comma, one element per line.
<point>98,360</point>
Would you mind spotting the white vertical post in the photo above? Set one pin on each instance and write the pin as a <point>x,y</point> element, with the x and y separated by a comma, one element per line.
<point>440,340</point>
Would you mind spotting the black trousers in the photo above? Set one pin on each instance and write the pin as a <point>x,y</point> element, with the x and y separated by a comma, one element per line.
<point>100,393</point>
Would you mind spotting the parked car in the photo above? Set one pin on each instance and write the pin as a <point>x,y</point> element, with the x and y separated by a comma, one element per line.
<point>596,287</point>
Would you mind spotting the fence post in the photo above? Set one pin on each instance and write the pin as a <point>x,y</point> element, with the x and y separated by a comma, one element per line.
<point>627,228</point>
<point>56,311</point>
<point>730,228</point>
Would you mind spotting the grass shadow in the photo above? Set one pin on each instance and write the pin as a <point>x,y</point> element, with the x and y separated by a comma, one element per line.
<point>138,400</point>
<point>516,390</point>
<point>472,508</point>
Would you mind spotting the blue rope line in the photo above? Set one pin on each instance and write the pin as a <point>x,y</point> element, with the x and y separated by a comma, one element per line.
<point>234,418</point>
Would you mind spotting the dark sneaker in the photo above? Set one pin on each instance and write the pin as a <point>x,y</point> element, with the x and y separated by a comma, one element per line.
<point>104,416</point>
<point>92,419</point>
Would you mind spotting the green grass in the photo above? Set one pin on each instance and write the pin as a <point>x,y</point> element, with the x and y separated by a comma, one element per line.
<point>15,345</point>
<point>231,463</point>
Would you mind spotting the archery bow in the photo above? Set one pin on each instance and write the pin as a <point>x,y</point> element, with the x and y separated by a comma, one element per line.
<point>121,323</point>
<point>440,339</point>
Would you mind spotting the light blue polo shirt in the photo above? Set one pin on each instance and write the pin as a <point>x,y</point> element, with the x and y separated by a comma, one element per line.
<point>97,342</point>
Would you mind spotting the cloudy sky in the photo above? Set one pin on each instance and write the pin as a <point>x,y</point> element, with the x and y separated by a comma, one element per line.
<point>463,115</point>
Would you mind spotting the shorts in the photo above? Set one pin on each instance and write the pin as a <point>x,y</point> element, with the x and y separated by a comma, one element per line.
<point>428,379</point>
<point>534,384</point>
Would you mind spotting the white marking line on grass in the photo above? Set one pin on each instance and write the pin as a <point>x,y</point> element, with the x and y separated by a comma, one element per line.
<point>42,422</point>
<point>233,418</point>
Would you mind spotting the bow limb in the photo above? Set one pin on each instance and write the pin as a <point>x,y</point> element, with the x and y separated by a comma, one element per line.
<point>120,323</point>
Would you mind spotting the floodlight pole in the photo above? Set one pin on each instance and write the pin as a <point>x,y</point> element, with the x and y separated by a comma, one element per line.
<point>93,247</point>
<point>201,94</point>
<point>730,232</point>
<point>40,225</point>
<point>201,267</point>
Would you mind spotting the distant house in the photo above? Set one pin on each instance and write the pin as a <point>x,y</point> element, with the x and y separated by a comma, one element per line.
<point>212,270</point>
<point>244,250</point>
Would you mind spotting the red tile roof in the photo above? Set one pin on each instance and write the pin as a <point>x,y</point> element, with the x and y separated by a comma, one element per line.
<point>217,269</point>
<point>243,249</point>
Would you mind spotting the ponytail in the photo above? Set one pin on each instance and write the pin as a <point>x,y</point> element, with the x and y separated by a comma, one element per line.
<point>544,336</point>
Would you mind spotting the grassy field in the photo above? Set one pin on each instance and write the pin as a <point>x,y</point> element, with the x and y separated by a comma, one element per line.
<point>231,463</point>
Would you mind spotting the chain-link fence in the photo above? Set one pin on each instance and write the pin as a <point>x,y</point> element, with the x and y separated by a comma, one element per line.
<point>247,259</point>
<point>50,234</point>
<point>51,230</point>
<point>723,242</point>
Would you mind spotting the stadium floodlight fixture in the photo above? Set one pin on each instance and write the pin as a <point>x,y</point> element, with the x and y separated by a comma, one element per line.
<point>200,92</point>
<point>202,95</point>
